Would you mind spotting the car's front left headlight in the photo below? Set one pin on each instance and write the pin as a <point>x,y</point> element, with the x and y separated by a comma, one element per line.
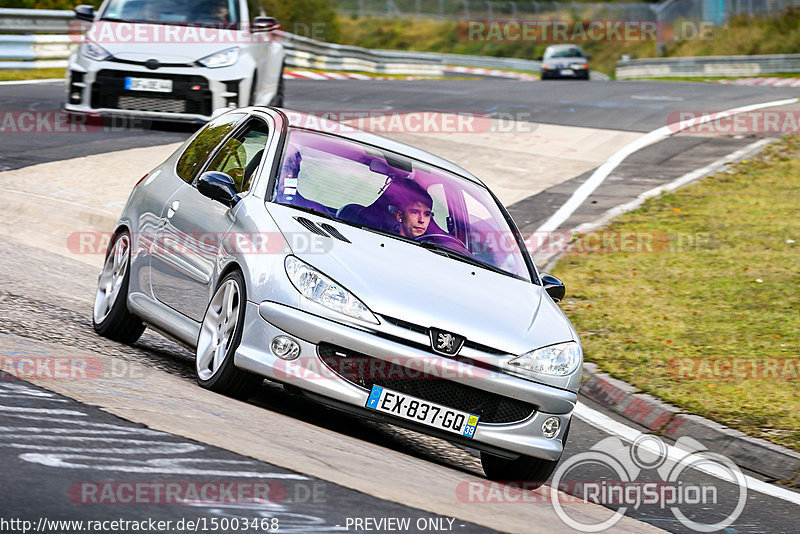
<point>559,360</point>
<point>225,58</point>
<point>315,286</point>
<point>94,51</point>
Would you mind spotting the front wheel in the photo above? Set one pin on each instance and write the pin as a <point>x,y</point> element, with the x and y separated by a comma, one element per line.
<point>220,335</point>
<point>110,316</point>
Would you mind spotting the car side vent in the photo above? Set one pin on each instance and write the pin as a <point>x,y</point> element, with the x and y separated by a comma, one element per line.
<point>310,226</point>
<point>334,232</point>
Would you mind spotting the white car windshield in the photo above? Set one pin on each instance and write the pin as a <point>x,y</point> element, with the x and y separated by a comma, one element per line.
<point>200,12</point>
<point>393,194</point>
<point>564,52</point>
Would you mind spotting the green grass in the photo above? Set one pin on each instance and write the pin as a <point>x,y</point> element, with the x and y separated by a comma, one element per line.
<point>716,79</point>
<point>34,74</point>
<point>742,36</point>
<point>721,282</point>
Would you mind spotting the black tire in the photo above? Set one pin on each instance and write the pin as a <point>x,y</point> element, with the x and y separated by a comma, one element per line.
<point>277,100</point>
<point>118,324</point>
<point>252,99</point>
<point>228,379</point>
<point>533,471</point>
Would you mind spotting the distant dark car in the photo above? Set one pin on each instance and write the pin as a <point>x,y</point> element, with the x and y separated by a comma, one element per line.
<point>565,61</point>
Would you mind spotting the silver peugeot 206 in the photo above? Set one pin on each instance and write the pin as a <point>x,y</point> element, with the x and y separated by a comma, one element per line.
<point>366,274</point>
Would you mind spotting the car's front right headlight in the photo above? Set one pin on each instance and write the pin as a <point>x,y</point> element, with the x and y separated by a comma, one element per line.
<point>225,58</point>
<point>315,286</point>
<point>94,51</point>
<point>559,360</point>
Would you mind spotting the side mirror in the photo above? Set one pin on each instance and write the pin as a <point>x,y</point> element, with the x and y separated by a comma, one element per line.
<point>588,56</point>
<point>264,24</point>
<point>218,186</point>
<point>84,13</point>
<point>554,287</point>
<point>540,58</point>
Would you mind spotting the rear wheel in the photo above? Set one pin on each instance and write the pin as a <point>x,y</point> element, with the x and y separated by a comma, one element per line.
<point>220,335</point>
<point>110,316</point>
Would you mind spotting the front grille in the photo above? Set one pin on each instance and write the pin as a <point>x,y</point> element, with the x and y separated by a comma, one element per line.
<point>422,330</point>
<point>143,103</point>
<point>190,94</point>
<point>365,371</point>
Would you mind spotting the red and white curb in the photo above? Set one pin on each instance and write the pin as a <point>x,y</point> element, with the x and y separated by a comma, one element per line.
<point>772,82</point>
<point>493,72</point>
<point>313,75</point>
<point>316,75</point>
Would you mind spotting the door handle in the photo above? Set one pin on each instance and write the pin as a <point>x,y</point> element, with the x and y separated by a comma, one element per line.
<point>173,208</point>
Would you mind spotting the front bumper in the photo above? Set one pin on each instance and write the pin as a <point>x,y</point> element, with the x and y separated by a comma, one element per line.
<point>309,373</point>
<point>98,88</point>
<point>565,73</point>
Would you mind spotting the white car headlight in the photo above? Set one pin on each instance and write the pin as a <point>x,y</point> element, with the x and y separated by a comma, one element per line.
<point>94,51</point>
<point>315,286</point>
<point>560,360</point>
<point>225,58</point>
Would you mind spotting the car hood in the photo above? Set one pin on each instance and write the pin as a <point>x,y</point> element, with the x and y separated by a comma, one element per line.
<point>166,43</point>
<point>404,281</point>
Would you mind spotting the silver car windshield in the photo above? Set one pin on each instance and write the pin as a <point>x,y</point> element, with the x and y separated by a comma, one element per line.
<point>393,194</point>
<point>199,12</point>
<point>563,52</point>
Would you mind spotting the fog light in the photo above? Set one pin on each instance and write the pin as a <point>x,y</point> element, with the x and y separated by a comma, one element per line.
<point>285,348</point>
<point>551,426</point>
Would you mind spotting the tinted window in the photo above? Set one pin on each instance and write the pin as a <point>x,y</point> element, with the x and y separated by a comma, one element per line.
<point>192,159</point>
<point>391,193</point>
<point>174,11</point>
<point>240,156</point>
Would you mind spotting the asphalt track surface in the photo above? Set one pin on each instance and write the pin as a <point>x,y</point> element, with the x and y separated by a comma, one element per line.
<point>50,303</point>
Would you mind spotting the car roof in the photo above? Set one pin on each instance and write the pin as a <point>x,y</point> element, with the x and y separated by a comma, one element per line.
<point>307,121</point>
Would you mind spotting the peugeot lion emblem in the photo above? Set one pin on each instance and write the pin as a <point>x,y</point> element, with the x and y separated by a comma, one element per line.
<point>445,343</point>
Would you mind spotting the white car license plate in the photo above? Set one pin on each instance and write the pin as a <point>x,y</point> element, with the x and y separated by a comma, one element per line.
<point>421,411</point>
<point>154,85</point>
<point>567,72</point>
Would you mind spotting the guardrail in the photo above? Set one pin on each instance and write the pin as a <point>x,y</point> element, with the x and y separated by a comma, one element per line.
<point>302,52</point>
<point>685,67</point>
<point>24,52</point>
<point>37,50</point>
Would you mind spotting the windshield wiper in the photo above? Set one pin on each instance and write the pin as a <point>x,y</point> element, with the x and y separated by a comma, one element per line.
<point>460,256</point>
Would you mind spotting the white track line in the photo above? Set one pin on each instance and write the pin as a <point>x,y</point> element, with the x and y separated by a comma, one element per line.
<point>602,172</point>
<point>689,177</point>
<point>29,82</point>
<point>614,427</point>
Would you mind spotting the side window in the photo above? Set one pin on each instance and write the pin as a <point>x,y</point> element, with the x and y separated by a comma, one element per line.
<point>240,155</point>
<point>196,153</point>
